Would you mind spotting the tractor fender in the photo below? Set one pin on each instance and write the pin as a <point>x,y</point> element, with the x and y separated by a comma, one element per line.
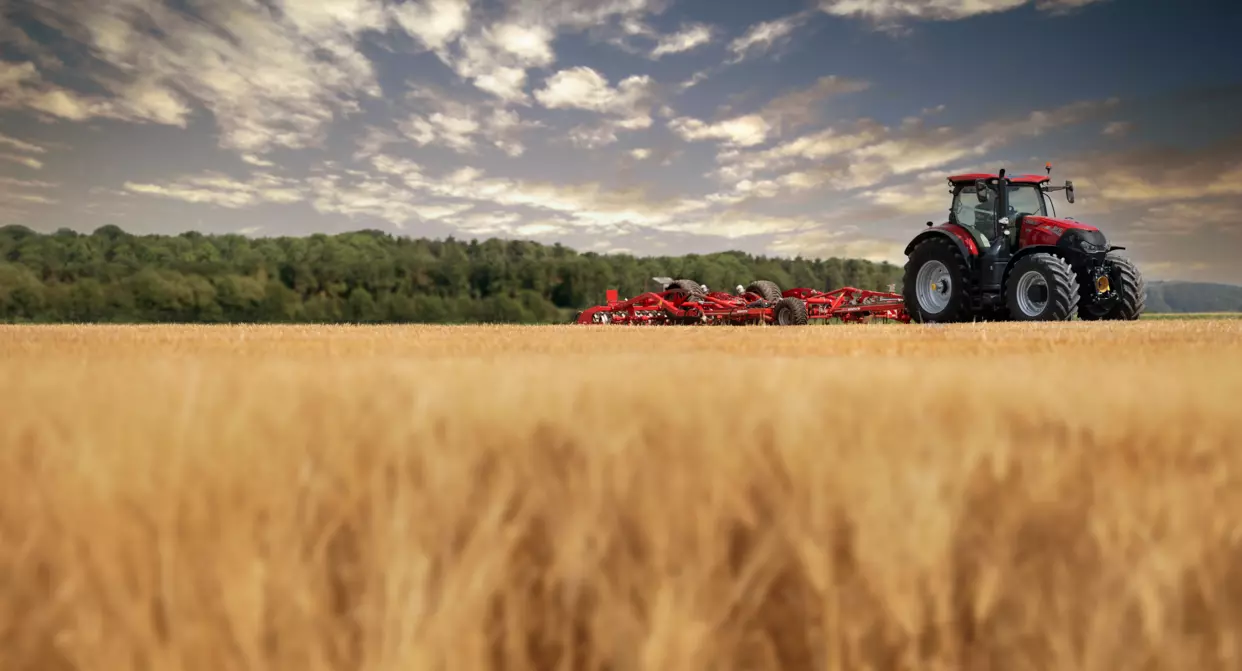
<point>964,243</point>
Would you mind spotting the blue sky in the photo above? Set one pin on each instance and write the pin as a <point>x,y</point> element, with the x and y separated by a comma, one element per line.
<point>784,127</point>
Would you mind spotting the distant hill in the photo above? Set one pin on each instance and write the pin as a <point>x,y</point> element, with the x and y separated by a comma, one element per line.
<point>1166,297</point>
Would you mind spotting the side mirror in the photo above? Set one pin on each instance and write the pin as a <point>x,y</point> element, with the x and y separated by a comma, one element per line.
<point>981,190</point>
<point>1069,191</point>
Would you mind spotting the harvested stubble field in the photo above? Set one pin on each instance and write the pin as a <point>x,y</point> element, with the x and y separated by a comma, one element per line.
<point>867,497</point>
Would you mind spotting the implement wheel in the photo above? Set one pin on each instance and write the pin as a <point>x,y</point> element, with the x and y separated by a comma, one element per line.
<point>790,312</point>
<point>693,290</point>
<point>770,291</point>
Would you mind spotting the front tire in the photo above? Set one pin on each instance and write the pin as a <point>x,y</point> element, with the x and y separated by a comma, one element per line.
<point>936,284</point>
<point>1041,287</point>
<point>1128,282</point>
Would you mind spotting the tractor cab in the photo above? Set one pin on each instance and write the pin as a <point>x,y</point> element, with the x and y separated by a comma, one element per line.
<point>991,217</point>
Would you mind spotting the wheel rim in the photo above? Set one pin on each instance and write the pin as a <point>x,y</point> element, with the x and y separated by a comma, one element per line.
<point>783,317</point>
<point>935,286</point>
<point>1032,293</point>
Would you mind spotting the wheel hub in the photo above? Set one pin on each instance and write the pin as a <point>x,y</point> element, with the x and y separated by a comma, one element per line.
<point>1032,293</point>
<point>935,286</point>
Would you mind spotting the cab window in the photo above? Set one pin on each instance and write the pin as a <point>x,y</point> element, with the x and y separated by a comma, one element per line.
<point>968,211</point>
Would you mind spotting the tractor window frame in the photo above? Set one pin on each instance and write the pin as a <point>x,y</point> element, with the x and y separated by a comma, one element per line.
<point>968,190</point>
<point>1050,210</point>
<point>1040,195</point>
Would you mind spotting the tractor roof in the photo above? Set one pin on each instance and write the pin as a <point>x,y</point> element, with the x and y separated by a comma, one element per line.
<point>970,178</point>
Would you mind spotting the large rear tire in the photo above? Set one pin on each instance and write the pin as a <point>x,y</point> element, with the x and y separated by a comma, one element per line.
<point>1128,282</point>
<point>1041,287</point>
<point>936,283</point>
<point>770,291</point>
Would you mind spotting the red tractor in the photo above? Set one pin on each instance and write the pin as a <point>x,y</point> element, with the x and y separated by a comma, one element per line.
<point>1004,255</point>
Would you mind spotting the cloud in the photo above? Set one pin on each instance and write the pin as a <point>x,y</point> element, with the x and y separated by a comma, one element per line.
<point>887,12</point>
<point>218,189</point>
<point>269,78</point>
<point>353,196</point>
<point>16,195</point>
<point>21,145</point>
<point>400,190</point>
<point>804,107</point>
<point>839,242</point>
<point>865,153</point>
<point>764,37</point>
<point>459,125</point>
<point>497,56</point>
<point>23,87</point>
<point>626,106</point>
<point>24,147</point>
<point>1157,174</point>
<point>743,131</point>
<point>29,162</point>
<point>433,23</point>
<point>1117,128</point>
<point>687,39</point>
<point>1183,217</point>
<point>584,88</point>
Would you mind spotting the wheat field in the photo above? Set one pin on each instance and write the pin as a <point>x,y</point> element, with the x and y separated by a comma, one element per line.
<point>999,496</point>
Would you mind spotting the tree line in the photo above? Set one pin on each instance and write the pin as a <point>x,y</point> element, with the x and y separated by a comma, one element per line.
<point>366,276</point>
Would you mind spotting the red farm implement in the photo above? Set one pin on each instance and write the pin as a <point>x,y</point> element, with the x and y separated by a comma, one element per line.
<point>685,302</point>
<point>1003,255</point>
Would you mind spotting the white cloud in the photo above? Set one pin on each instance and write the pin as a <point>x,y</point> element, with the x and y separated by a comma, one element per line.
<point>219,189</point>
<point>434,23</point>
<point>763,37</point>
<point>28,161</point>
<point>457,124</point>
<point>497,56</point>
<point>687,39</point>
<point>743,131</point>
<point>17,195</point>
<point>888,12</point>
<point>584,88</point>
<point>866,153</point>
<point>626,106</point>
<point>269,79</point>
<point>21,145</point>
<point>23,87</point>
<point>336,194</point>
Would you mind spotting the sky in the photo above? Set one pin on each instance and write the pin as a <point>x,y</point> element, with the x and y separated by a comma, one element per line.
<point>810,128</point>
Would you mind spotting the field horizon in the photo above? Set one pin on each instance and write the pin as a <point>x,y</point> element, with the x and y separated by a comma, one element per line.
<point>978,496</point>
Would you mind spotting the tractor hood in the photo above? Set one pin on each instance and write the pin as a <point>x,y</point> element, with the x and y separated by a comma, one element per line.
<point>1063,224</point>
